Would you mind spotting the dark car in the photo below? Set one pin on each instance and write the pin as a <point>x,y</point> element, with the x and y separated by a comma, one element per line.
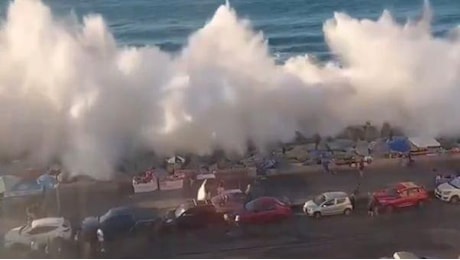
<point>191,215</point>
<point>105,234</point>
<point>263,210</point>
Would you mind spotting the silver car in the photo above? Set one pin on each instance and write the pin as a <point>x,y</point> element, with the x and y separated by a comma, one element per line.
<point>328,203</point>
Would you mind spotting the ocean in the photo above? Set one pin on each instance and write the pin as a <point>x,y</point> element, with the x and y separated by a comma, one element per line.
<point>292,27</point>
<point>76,87</point>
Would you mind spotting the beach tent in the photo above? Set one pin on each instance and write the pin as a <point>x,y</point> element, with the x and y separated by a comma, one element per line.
<point>47,181</point>
<point>24,188</point>
<point>424,142</point>
<point>341,145</point>
<point>7,182</point>
<point>399,145</point>
<point>362,147</point>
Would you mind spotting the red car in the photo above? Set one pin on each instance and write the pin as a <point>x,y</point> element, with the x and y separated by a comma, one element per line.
<point>401,195</point>
<point>263,210</point>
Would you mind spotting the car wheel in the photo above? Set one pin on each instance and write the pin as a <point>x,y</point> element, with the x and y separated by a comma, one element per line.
<point>347,212</point>
<point>389,209</point>
<point>317,214</point>
<point>455,199</point>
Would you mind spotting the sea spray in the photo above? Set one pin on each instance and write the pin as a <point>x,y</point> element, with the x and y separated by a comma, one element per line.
<point>68,91</point>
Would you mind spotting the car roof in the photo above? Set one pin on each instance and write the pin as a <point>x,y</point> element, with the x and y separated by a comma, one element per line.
<point>47,222</point>
<point>405,255</point>
<point>335,194</point>
<point>231,191</point>
<point>138,212</point>
<point>195,204</point>
<point>265,199</point>
<point>406,185</point>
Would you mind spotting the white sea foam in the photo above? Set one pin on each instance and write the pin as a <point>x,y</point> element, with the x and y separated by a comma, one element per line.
<point>68,91</point>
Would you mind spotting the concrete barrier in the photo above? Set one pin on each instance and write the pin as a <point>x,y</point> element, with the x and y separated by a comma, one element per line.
<point>172,184</point>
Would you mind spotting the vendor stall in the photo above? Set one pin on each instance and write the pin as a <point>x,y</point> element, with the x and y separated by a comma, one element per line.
<point>146,182</point>
<point>424,146</point>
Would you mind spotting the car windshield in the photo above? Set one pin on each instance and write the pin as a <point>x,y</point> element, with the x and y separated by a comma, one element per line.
<point>180,210</point>
<point>392,192</point>
<point>251,206</point>
<point>318,200</point>
<point>21,229</point>
<point>104,217</point>
<point>455,183</point>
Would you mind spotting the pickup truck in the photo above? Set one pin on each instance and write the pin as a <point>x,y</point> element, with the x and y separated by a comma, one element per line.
<point>108,234</point>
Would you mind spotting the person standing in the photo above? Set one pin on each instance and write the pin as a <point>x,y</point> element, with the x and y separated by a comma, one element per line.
<point>248,193</point>
<point>220,188</point>
<point>326,162</point>
<point>371,206</point>
<point>353,196</point>
<point>361,167</point>
<point>370,148</point>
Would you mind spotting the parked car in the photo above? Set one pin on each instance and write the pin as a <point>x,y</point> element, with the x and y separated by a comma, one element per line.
<point>105,234</point>
<point>191,215</point>
<point>263,210</point>
<point>449,191</point>
<point>329,203</point>
<point>401,195</point>
<point>407,255</point>
<point>443,178</point>
<point>38,232</point>
<point>229,201</point>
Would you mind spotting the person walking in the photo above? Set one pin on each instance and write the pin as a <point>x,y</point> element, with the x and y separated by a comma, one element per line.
<point>372,207</point>
<point>353,196</point>
<point>326,162</point>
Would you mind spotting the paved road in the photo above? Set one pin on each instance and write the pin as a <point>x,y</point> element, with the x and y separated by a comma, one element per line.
<point>299,187</point>
<point>374,238</point>
<point>431,231</point>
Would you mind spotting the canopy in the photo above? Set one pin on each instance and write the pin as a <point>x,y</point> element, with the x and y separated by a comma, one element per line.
<point>175,159</point>
<point>341,144</point>
<point>400,145</point>
<point>424,142</point>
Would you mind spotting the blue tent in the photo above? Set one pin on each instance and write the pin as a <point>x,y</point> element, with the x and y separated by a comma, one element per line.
<point>24,188</point>
<point>400,145</point>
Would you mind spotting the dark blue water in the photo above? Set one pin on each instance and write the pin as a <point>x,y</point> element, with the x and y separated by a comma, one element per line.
<point>291,26</point>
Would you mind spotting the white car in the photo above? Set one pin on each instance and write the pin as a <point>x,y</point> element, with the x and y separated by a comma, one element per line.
<point>449,191</point>
<point>407,255</point>
<point>39,232</point>
<point>329,203</point>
